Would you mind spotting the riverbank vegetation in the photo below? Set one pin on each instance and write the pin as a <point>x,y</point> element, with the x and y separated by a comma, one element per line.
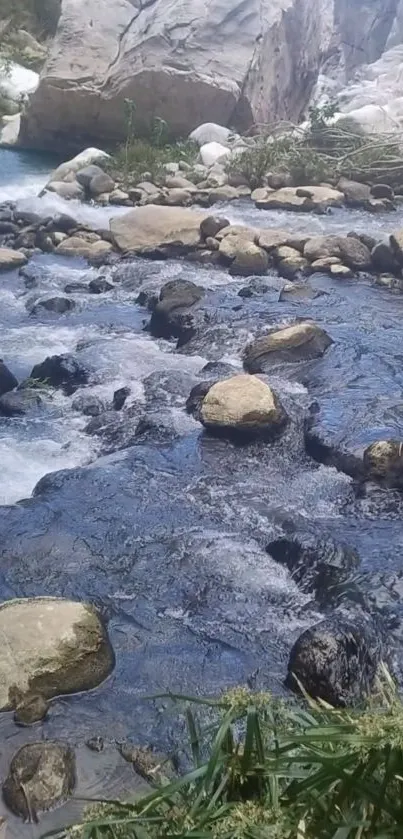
<point>265,768</point>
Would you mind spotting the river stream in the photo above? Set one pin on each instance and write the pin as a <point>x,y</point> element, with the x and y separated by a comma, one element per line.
<point>168,536</point>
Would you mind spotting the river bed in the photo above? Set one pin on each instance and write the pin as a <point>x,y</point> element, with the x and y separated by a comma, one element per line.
<point>168,536</point>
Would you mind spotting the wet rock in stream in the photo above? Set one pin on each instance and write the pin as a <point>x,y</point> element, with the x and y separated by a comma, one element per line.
<point>41,776</point>
<point>62,371</point>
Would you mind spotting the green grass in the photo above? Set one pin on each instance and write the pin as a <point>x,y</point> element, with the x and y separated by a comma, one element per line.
<point>137,156</point>
<point>267,769</point>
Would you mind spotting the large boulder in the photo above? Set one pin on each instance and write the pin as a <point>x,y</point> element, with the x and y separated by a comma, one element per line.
<point>298,342</point>
<point>41,776</point>
<point>303,199</point>
<point>348,249</point>
<point>77,163</point>
<point>250,260</point>
<point>62,371</point>
<point>153,227</point>
<point>242,407</point>
<point>50,646</point>
<point>7,379</point>
<point>336,661</point>
<point>10,259</point>
<point>231,64</point>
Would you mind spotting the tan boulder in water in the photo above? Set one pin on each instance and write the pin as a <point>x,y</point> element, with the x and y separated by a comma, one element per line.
<point>383,461</point>
<point>243,406</point>
<point>298,342</point>
<point>154,226</point>
<point>50,646</point>
<point>10,259</point>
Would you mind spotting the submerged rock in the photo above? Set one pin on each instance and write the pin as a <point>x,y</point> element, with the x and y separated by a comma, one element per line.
<point>299,342</point>
<point>41,776</point>
<point>57,305</point>
<point>88,404</point>
<point>50,646</point>
<point>243,407</point>
<point>319,566</point>
<point>336,661</point>
<point>19,402</point>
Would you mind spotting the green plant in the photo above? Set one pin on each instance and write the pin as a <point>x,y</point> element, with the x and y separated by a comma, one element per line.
<point>267,769</point>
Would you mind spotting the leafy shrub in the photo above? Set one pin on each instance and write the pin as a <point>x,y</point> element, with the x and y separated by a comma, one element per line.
<point>266,769</point>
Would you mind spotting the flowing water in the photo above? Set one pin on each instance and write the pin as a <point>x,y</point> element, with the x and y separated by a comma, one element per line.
<point>168,536</point>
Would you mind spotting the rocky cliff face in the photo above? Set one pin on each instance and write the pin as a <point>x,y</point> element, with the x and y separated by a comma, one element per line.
<point>235,62</point>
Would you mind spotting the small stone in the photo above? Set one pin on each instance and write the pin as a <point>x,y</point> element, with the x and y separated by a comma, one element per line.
<point>298,342</point>
<point>31,709</point>
<point>57,305</point>
<point>249,260</point>
<point>383,461</point>
<point>41,776</point>
<point>342,272</point>
<point>243,407</point>
<point>100,285</point>
<point>100,184</point>
<point>383,191</point>
<point>211,225</point>
<point>95,744</point>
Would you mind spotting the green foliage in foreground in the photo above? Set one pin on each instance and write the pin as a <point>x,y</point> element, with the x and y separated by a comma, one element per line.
<point>266,769</point>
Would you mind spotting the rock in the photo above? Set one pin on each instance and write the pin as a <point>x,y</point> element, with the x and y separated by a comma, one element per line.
<point>380,205</point>
<point>383,461</point>
<point>243,407</point>
<point>9,259</point>
<point>355,193</point>
<point>234,246</point>
<point>154,226</point>
<point>299,342</point>
<point>210,132</point>
<point>347,249</point>
<point>211,225</point>
<point>7,379</point>
<point>119,398</point>
<point>57,305</point>
<point>76,246</point>
<point>32,708</point>
<point>383,259</point>
<point>85,175</point>
<point>292,266</point>
<point>396,244</point>
<point>342,272</point>
<point>171,317</point>
<point>128,55</point>
<point>69,191</point>
<point>336,661</point>
<point>211,153</point>
<point>80,161</point>
<point>118,196</point>
<point>19,402</point>
<point>50,646</point>
<point>88,404</point>
<point>95,744</point>
<point>249,233</point>
<point>179,182</point>
<point>308,199</point>
<point>177,198</point>
<point>249,260</point>
<point>41,776</point>
<point>100,285</point>
<point>271,239</point>
<point>117,431</point>
<point>255,288</point>
<point>223,193</point>
<point>62,371</point>
<point>318,566</point>
<point>101,183</point>
<point>324,264</point>
<point>298,291</point>
<point>383,191</point>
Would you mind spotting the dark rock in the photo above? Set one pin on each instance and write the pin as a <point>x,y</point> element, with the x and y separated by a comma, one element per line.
<point>117,430</point>
<point>19,402</point>
<point>76,288</point>
<point>84,176</point>
<point>32,708</point>
<point>56,305</point>
<point>382,191</point>
<point>196,396</point>
<point>383,259</point>
<point>62,222</point>
<point>26,239</point>
<point>148,297</point>
<point>318,566</point>
<point>255,288</point>
<point>328,447</point>
<point>100,285</point>
<point>62,371</point>
<point>366,240</point>
<point>8,227</point>
<point>211,225</point>
<point>171,317</point>
<point>101,183</point>
<point>157,426</point>
<point>336,661</point>
<point>354,253</point>
<point>41,776</point>
<point>299,291</point>
<point>356,194</point>
<point>95,744</point>
<point>88,404</point>
<point>119,398</point>
<point>7,379</point>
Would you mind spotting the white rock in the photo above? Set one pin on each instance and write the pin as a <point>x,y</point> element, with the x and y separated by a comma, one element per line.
<point>9,132</point>
<point>17,81</point>
<point>210,132</point>
<point>211,153</point>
